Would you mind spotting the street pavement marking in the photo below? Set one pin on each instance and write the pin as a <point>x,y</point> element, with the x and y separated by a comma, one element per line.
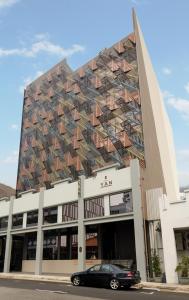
<point>152,289</point>
<point>59,292</point>
<point>146,293</point>
<point>49,291</point>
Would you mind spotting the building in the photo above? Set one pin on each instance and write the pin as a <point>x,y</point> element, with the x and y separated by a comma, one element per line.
<point>96,155</point>
<point>6,191</point>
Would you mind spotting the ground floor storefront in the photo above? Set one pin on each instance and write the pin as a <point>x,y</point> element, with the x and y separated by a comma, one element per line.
<point>108,242</point>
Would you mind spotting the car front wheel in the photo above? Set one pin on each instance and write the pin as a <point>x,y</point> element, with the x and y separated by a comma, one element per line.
<point>114,284</point>
<point>76,281</point>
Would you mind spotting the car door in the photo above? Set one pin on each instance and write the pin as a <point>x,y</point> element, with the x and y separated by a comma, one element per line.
<point>92,276</point>
<point>105,274</point>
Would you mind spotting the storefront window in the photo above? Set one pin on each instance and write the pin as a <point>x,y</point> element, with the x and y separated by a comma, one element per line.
<point>60,244</point>
<point>70,212</point>
<point>3,223</point>
<point>92,245</point>
<point>17,221</point>
<point>50,246</point>
<point>32,218</point>
<point>50,215</point>
<point>74,246</point>
<point>94,207</point>
<point>31,242</point>
<point>121,203</point>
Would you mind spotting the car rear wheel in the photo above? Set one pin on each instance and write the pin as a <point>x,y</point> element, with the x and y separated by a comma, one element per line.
<point>76,281</point>
<point>114,284</point>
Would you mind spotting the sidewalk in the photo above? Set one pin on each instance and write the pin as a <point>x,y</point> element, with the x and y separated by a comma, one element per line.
<point>166,287</point>
<point>177,288</point>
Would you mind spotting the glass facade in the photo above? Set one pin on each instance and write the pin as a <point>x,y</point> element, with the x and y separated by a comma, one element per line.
<point>70,212</point>
<point>94,208</point>
<point>32,218</point>
<point>121,203</point>
<point>17,221</point>
<point>50,215</point>
<point>106,92</point>
<point>60,244</point>
<point>30,244</point>
<point>3,223</point>
<point>91,245</point>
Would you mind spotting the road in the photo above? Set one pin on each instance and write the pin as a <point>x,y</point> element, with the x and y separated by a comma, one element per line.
<point>31,290</point>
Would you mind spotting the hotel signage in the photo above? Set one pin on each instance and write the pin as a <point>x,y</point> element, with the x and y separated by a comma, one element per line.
<point>106,182</point>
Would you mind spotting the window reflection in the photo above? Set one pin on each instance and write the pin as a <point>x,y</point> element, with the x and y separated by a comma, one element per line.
<point>50,215</point>
<point>94,207</point>
<point>3,223</point>
<point>121,203</point>
<point>32,218</point>
<point>60,244</point>
<point>31,242</point>
<point>17,221</point>
<point>70,212</point>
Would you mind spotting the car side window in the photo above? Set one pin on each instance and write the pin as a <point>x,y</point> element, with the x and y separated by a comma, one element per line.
<point>111,269</point>
<point>106,268</point>
<point>94,269</point>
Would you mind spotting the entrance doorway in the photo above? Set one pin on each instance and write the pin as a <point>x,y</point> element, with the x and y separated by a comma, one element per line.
<point>17,254</point>
<point>2,252</point>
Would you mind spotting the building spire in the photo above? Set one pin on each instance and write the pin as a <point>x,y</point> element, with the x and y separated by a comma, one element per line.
<point>158,141</point>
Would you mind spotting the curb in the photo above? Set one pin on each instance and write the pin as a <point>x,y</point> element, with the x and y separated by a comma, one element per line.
<point>165,288</point>
<point>37,278</point>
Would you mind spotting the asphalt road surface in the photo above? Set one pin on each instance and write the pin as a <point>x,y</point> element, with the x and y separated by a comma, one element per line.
<point>31,290</point>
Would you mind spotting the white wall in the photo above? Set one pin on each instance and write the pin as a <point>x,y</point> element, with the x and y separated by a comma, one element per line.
<point>4,207</point>
<point>174,215</point>
<point>121,180</point>
<point>61,193</point>
<point>64,191</point>
<point>25,203</point>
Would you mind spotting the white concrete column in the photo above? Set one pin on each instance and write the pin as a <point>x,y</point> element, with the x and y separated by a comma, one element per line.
<point>25,220</point>
<point>169,245</point>
<point>81,226</point>
<point>40,235</point>
<point>106,205</point>
<point>170,255</point>
<point>59,219</point>
<point>138,219</point>
<point>8,247</point>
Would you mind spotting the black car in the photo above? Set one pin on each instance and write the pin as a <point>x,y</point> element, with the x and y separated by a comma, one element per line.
<point>107,275</point>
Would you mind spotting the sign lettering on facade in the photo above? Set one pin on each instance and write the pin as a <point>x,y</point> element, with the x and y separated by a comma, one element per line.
<point>106,182</point>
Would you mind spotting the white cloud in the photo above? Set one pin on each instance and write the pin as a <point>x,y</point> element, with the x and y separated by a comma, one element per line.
<point>11,159</point>
<point>42,44</point>
<point>14,126</point>
<point>166,71</point>
<point>167,94</point>
<point>29,80</point>
<point>178,103</point>
<point>7,3</point>
<point>181,105</point>
<point>187,87</point>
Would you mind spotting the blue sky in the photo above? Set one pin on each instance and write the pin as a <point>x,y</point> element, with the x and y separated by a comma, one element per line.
<point>36,34</point>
